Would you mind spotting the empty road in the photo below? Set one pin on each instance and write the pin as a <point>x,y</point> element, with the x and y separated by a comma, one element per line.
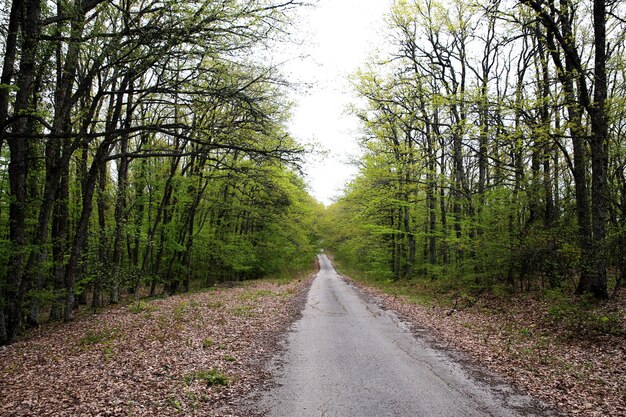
<point>348,357</point>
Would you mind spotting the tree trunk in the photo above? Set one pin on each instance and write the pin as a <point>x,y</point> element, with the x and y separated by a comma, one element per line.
<point>443,211</point>
<point>120,221</point>
<point>60,225</point>
<point>80,235</point>
<point>599,156</point>
<point>103,261</point>
<point>17,284</point>
<point>163,206</point>
<point>8,65</point>
<point>431,199</point>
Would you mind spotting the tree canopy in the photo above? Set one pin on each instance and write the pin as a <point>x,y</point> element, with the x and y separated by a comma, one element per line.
<point>493,147</point>
<point>143,143</point>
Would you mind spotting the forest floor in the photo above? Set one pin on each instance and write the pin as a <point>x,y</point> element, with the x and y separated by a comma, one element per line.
<point>190,354</point>
<point>569,353</point>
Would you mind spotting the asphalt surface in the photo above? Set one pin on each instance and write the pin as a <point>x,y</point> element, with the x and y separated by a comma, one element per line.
<point>348,357</point>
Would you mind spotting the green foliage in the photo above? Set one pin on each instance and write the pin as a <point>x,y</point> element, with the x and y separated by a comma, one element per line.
<point>9,87</point>
<point>140,306</point>
<point>583,317</point>
<point>104,336</point>
<point>180,311</point>
<point>198,185</point>
<point>207,343</point>
<point>211,377</point>
<point>271,234</point>
<point>255,294</point>
<point>175,403</point>
<point>459,183</point>
<point>244,311</point>
<point>215,304</point>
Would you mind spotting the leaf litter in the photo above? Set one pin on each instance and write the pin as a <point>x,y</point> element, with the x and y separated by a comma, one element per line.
<point>192,355</point>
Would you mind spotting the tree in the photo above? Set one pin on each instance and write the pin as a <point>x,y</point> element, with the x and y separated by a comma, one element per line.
<point>507,108</point>
<point>105,94</point>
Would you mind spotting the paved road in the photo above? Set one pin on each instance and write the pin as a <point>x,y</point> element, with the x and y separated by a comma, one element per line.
<point>348,357</point>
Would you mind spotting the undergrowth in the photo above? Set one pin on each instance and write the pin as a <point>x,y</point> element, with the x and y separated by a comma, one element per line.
<point>103,336</point>
<point>211,377</point>
<point>583,316</point>
<point>571,316</point>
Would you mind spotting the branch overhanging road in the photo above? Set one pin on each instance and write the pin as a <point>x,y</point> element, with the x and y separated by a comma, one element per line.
<point>348,357</point>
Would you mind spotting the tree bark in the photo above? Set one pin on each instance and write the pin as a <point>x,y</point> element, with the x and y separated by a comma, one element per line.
<point>103,261</point>
<point>82,226</point>
<point>17,283</point>
<point>8,64</point>
<point>599,156</point>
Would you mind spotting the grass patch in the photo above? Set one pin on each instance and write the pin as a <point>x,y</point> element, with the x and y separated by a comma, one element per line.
<point>207,343</point>
<point>140,306</point>
<point>256,294</point>
<point>175,403</point>
<point>211,377</point>
<point>281,279</point>
<point>583,317</point>
<point>103,336</point>
<point>214,305</point>
<point>179,311</point>
<point>243,311</point>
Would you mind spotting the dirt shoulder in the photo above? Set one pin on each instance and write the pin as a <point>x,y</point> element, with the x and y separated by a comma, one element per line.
<point>518,338</point>
<point>192,354</point>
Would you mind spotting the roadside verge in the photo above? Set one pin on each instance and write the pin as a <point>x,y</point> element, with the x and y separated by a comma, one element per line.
<point>518,339</point>
<point>191,354</point>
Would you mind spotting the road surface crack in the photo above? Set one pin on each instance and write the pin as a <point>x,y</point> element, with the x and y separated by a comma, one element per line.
<point>479,405</point>
<point>328,313</point>
<point>322,408</point>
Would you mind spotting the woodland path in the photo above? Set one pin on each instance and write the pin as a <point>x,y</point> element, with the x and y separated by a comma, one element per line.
<point>348,357</point>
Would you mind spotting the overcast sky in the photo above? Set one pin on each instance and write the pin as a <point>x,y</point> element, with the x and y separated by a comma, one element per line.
<point>337,36</point>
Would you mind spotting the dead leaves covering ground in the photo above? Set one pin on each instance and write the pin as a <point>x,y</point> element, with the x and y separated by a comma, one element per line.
<point>183,355</point>
<point>519,339</point>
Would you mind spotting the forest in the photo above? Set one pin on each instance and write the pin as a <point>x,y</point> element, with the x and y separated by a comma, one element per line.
<point>494,153</point>
<point>159,238</point>
<point>143,148</point>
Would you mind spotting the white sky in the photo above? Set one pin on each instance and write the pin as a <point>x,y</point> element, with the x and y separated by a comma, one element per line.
<point>337,36</point>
